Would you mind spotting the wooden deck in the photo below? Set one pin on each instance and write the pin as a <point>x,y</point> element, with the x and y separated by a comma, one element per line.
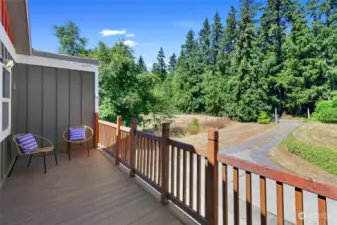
<point>85,190</point>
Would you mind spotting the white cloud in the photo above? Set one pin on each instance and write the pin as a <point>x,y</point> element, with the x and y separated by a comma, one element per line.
<point>130,35</point>
<point>106,33</point>
<point>129,43</point>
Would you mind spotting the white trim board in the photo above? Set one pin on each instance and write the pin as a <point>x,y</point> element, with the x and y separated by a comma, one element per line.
<point>56,63</point>
<point>7,42</point>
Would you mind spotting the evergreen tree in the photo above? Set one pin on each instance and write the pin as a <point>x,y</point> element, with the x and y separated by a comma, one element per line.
<point>205,42</point>
<point>247,87</point>
<point>217,33</point>
<point>161,71</point>
<point>141,67</point>
<point>172,63</point>
<point>230,33</point>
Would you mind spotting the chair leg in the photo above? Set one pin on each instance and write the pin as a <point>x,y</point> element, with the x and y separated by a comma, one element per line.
<point>88,148</point>
<point>44,161</point>
<point>69,153</point>
<point>55,156</point>
<point>10,172</point>
<point>30,159</point>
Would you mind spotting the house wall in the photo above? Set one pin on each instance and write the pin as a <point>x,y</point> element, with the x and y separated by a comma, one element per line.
<point>48,100</point>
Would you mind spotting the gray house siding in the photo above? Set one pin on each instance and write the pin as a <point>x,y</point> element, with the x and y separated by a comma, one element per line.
<point>49,100</point>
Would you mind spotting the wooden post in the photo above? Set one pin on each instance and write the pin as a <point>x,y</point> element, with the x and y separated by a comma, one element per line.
<point>165,161</point>
<point>133,147</point>
<point>96,130</point>
<point>118,140</point>
<point>212,178</point>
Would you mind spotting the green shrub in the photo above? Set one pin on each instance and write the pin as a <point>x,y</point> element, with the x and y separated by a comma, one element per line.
<point>326,111</point>
<point>263,118</point>
<point>323,157</point>
<point>193,127</point>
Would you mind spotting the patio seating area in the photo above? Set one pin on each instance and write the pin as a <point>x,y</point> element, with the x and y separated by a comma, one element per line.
<point>85,190</point>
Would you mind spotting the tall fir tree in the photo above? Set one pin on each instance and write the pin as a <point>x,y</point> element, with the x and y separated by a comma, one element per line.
<point>216,35</point>
<point>172,63</point>
<point>161,70</point>
<point>247,87</point>
<point>205,43</point>
<point>141,67</point>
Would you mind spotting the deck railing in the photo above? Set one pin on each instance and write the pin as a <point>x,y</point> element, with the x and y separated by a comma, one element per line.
<point>5,20</point>
<point>189,177</point>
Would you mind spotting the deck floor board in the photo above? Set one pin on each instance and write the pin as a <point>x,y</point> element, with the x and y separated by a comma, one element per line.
<point>85,191</point>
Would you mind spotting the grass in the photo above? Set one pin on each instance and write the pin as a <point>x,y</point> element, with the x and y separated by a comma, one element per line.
<point>321,156</point>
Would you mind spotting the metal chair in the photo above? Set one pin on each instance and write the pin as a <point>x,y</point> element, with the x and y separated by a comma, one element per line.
<point>89,133</point>
<point>41,149</point>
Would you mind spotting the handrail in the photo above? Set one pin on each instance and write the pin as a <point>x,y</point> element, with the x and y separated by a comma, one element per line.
<point>177,171</point>
<point>306,184</point>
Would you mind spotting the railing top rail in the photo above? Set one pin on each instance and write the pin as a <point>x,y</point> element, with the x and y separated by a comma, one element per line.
<point>307,184</point>
<point>149,135</point>
<point>126,129</point>
<point>187,147</point>
<point>107,123</point>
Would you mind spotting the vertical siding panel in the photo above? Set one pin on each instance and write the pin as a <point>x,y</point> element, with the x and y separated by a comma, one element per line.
<point>49,104</point>
<point>62,106</point>
<point>34,118</point>
<point>21,98</point>
<point>75,100</point>
<point>13,108</point>
<point>88,101</point>
<point>75,97</point>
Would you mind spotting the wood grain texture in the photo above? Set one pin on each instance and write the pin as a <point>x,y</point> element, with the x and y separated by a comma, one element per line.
<point>86,190</point>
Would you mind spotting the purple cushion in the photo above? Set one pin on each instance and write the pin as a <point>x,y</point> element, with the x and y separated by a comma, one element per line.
<point>77,134</point>
<point>28,143</point>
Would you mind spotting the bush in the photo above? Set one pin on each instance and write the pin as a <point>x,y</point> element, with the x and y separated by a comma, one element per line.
<point>193,127</point>
<point>263,118</point>
<point>326,111</point>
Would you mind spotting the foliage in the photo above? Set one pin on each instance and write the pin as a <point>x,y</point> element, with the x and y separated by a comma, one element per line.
<point>326,111</point>
<point>193,127</point>
<point>263,118</point>
<point>323,157</point>
<point>69,39</point>
<point>280,54</point>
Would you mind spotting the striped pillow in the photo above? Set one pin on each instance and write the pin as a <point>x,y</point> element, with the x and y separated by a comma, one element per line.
<point>77,134</point>
<point>28,143</point>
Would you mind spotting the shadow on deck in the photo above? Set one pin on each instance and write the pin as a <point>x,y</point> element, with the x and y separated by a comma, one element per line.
<point>85,190</point>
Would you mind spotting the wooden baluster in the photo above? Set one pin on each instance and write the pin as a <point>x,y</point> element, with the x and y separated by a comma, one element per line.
<point>212,178</point>
<point>118,141</point>
<point>299,206</point>
<point>249,205</point>
<point>322,215</point>
<point>178,173</point>
<point>280,203</point>
<point>236,196</point>
<point>263,200</point>
<point>172,170</point>
<point>155,163</point>
<point>191,179</point>
<point>142,159</point>
<point>132,156</point>
<point>225,194</point>
<point>165,162</point>
<point>152,161</point>
<point>148,158</point>
<point>184,176</point>
<point>199,184</point>
<point>159,163</point>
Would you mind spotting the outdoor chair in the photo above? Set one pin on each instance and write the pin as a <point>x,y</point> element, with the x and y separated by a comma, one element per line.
<point>77,135</point>
<point>26,144</point>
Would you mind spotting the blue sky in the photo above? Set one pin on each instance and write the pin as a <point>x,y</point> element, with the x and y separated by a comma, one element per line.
<point>154,23</point>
